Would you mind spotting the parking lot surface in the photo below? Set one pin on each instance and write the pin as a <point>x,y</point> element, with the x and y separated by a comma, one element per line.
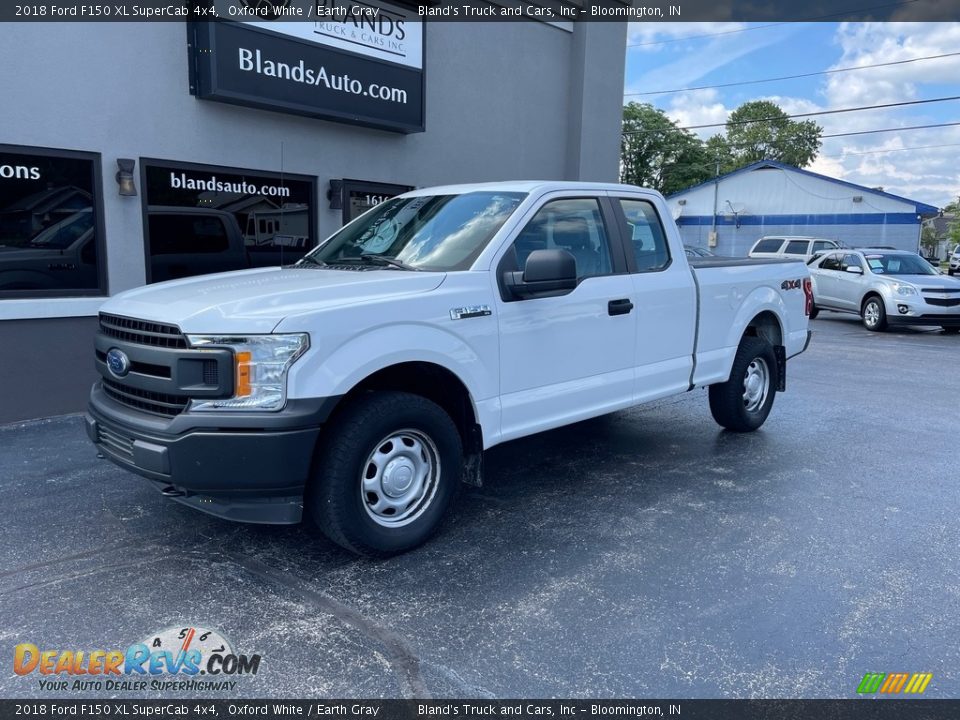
<point>647,553</point>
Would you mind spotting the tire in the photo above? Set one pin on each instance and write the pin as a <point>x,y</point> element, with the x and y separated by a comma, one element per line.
<point>736,406</point>
<point>349,497</point>
<point>950,329</point>
<point>950,271</point>
<point>814,311</point>
<point>874,314</point>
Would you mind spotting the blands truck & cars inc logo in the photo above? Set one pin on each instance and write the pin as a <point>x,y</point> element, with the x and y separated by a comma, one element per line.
<point>169,660</point>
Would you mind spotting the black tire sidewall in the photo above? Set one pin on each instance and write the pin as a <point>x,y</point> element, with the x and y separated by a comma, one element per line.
<point>726,399</point>
<point>338,476</point>
<point>882,317</point>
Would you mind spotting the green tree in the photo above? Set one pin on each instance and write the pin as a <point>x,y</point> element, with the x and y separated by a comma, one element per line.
<point>760,130</point>
<point>655,153</point>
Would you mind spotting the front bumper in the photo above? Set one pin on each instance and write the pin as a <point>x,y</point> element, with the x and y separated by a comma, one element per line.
<point>248,467</point>
<point>920,312</point>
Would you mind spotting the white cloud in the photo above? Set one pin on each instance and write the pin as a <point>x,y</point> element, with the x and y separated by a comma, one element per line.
<point>698,107</point>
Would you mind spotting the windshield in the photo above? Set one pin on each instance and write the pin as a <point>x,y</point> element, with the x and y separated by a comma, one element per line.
<point>899,264</point>
<point>432,232</point>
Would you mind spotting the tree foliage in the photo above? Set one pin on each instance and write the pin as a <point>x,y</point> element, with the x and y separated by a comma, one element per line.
<point>655,152</point>
<point>760,130</point>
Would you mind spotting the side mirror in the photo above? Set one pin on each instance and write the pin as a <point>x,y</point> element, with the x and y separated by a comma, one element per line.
<point>855,270</point>
<point>546,273</point>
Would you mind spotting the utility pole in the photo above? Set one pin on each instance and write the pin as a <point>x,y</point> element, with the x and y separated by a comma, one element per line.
<point>712,240</point>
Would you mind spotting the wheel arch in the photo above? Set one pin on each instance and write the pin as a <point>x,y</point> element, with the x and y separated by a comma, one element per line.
<point>436,383</point>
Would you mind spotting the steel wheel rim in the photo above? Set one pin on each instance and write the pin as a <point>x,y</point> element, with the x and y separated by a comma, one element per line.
<point>871,313</point>
<point>399,479</point>
<point>756,384</point>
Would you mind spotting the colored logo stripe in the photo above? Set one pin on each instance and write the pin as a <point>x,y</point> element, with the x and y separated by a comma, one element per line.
<point>894,683</point>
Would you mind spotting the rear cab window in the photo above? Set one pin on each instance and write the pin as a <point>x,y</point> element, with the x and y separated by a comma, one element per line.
<point>647,238</point>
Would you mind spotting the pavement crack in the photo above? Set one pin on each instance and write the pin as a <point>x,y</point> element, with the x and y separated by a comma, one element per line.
<point>400,654</point>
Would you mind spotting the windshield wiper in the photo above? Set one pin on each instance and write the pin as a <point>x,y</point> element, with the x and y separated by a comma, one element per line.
<point>311,259</point>
<point>386,260</point>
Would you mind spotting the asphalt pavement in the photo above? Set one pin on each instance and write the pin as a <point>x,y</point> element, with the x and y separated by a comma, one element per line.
<point>642,554</point>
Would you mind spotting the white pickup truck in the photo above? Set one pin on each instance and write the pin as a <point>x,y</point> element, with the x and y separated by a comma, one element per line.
<point>363,384</point>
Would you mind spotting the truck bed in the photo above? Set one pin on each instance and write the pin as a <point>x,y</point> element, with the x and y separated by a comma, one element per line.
<point>715,262</point>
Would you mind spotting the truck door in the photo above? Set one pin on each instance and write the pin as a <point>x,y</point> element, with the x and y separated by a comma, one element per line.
<point>665,299</point>
<point>567,357</point>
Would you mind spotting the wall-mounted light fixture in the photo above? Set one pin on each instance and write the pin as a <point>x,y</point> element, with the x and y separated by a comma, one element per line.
<point>858,198</point>
<point>681,202</point>
<point>335,194</point>
<point>128,188</point>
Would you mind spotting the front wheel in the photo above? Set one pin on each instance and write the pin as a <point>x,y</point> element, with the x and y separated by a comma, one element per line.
<point>387,470</point>
<point>742,403</point>
<point>873,314</point>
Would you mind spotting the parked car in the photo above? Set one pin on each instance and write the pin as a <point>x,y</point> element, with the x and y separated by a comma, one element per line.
<point>693,251</point>
<point>954,265</point>
<point>363,384</point>
<point>885,287</point>
<point>795,247</point>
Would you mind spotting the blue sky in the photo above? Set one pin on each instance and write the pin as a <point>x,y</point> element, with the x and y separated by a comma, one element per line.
<point>668,56</point>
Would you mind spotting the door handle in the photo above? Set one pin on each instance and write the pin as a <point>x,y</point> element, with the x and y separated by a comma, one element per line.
<point>619,307</point>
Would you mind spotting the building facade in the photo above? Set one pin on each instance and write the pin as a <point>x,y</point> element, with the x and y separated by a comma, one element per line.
<point>733,211</point>
<point>137,152</point>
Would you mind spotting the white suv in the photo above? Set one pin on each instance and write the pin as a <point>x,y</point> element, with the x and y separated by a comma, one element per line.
<point>787,246</point>
<point>954,261</point>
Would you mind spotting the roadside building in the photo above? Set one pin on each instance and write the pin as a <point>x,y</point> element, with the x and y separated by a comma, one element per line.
<point>730,213</point>
<point>133,152</point>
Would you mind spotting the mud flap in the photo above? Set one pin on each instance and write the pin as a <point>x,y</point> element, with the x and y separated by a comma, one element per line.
<point>473,458</point>
<point>780,352</point>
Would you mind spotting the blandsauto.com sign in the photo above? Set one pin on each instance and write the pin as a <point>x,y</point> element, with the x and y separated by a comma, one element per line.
<point>357,63</point>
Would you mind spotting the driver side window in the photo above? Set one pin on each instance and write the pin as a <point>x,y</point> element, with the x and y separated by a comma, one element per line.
<point>571,224</point>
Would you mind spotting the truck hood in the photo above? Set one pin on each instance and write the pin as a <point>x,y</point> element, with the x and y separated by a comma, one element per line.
<point>255,301</point>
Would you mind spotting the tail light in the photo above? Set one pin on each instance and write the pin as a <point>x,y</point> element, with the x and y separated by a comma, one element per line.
<point>808,296</point>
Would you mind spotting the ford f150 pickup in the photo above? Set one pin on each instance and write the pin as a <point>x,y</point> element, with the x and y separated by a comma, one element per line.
<point>361,385</point>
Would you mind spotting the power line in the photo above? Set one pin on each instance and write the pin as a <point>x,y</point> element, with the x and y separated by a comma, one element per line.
<point>769,25</point>
<point>898,129</point>
<point>801,115</point>
<point>889,150</point>
<point>792,77</point>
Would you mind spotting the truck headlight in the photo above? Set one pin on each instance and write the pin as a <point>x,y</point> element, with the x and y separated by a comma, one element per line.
<point>260,369</point>
<point>905,289</point>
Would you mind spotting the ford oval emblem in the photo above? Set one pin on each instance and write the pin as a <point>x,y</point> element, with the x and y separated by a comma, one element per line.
<point>118,363</point>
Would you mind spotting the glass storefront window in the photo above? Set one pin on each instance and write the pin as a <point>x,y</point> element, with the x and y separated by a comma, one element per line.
<point>202,219</point>
<point>50,223</point>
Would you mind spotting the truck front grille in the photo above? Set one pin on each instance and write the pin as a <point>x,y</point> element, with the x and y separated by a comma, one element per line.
<point>152,402</point>
<point>142,332</point>
<point>118,444</point>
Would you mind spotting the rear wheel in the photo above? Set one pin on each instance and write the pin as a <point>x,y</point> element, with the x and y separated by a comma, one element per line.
<point>873,314</point>
<point>742,403</point>
<point>387,471</point>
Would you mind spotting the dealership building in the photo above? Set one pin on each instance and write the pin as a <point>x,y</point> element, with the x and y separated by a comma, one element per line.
<point>136,152</point>
<point>769,198</point>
